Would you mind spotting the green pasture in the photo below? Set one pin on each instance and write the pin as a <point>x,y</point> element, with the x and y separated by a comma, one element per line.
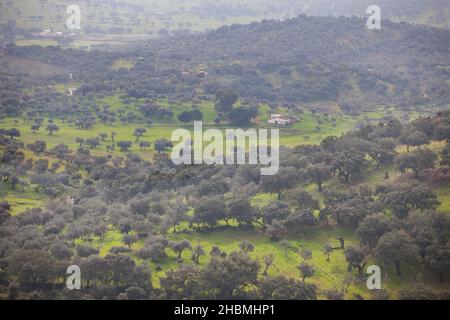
<point>328,274</point>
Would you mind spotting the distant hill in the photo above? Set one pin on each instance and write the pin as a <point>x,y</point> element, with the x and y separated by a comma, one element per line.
<point>300,61</point>
<point>309,59</point>
<point>428,12</point>
<point>152,16</point>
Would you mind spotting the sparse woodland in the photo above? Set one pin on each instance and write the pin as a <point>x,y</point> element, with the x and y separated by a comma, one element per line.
<point>143,228</point>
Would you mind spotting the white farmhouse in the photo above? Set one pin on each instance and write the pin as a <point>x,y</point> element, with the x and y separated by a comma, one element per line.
<point>282,120</point>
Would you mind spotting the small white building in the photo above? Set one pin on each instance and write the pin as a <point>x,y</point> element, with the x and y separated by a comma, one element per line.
<point>282,120</point>
<point>70,91</point>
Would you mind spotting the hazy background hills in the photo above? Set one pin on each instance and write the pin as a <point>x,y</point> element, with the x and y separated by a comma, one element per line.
<point>322,56</point>
<point>301,60</point>
<point>151,16</point>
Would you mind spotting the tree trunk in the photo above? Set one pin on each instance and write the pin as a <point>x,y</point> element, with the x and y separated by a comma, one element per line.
<point>360,269</point>
<point>342,242</point>
<point>397,268</point>
<point>265,270</point>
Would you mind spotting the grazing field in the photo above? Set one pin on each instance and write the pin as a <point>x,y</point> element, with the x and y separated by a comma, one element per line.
<point>229,238</point>
<point>21,199</point>
<point>31,42</point>
<point>303,132</point>
<point>328,274</point>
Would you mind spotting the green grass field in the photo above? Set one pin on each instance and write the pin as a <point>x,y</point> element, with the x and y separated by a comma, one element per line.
<point>123,64</point>
<point>21,199</point>
<point>302,132</point>
<point>328,274</point>
<point>30,42</point>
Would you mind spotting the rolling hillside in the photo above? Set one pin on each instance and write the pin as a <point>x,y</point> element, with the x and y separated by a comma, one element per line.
<point>300,61</point>
<point>150,16</point>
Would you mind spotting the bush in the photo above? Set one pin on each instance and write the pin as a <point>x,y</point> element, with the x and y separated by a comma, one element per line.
<point>86,251</point>
<point>118,250</point>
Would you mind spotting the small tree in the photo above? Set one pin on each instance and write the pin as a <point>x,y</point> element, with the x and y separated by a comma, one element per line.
<point>246,246</point>
<point>327,250</point>
<point>12,133</point>
<point>318,173</point>
<point>197,252</point>
<point>180,246</point>
<point>125,145</point>
<point>103,136</point>
<point>162,144</point>
<point>52,128</point>
<point>306,271</point>
<point>334,294</point>
<point>35,128</point>
<point>356,258</point>
<point>411,137</point>
<point>305,254</point>
<point>268,261</point>
<point>397,247</point>
<point>274,229</point>
<point>417,160</point>
<point>129,240</point>
<point>93,142</point>
<point>139,132</point>
<point>197,115</point>
<point>38,146</point>
<point>225,100</point>
<point>285,179</point>
<point>80,141</point>
<point>185,117</point>
<point>286,246</point>
<point>143,145</point>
